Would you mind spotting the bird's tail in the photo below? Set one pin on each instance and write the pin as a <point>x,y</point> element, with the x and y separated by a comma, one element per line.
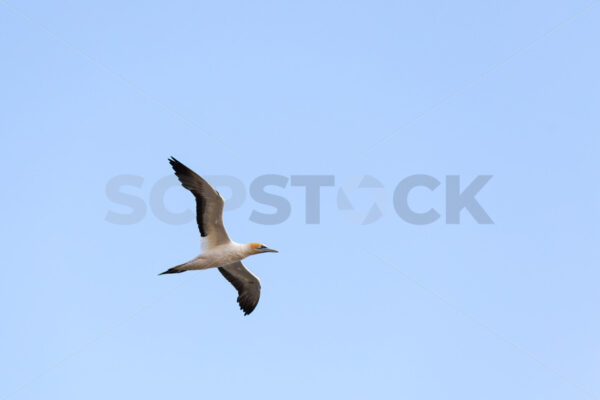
<point>175,270</point>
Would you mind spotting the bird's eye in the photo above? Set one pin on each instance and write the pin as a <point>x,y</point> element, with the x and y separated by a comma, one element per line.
<point>262,246</point>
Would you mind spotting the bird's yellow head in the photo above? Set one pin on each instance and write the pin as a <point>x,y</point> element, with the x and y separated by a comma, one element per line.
<point>257,248</point>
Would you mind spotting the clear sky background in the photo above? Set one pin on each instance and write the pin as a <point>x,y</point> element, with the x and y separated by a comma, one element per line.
<point>91,90</point>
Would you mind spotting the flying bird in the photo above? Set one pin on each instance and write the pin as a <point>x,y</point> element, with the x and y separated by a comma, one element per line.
<point>218,250</point>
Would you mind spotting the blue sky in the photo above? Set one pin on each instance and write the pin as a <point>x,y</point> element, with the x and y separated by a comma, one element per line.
<point>92,90</point>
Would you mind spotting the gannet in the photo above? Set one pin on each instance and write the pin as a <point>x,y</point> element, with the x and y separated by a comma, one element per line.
<point>218,250</point>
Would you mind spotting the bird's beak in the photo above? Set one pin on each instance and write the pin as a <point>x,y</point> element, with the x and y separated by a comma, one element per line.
<point>267,250</point>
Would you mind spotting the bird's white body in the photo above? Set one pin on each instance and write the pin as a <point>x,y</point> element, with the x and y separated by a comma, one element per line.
<point>219,255</point>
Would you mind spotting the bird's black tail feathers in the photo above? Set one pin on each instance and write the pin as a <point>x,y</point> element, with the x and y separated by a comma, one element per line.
<point>174,270</point>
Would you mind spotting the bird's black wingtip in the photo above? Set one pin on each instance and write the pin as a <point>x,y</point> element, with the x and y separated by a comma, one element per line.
<point>247,310</point>
<point>178,166</point>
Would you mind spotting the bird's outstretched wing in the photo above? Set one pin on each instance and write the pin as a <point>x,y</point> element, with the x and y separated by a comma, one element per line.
<point>209,205</point>
<point>245,282</point>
